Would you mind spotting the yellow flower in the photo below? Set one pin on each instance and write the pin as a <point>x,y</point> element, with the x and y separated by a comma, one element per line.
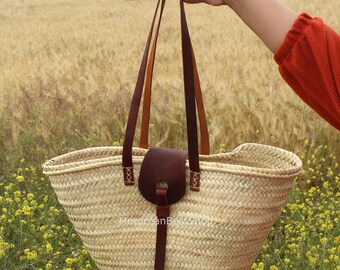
<point>26,210</point>
<point>34,204</point>
<point>20,178</point>
<point>84,250</point>
<point>48,266</point>
<point>261,266</point>
<point>30,255</point>
<point>330,172</point>
<point>2,248</point>
<point>323,240</point>
<point>312,261</point>
<point>70,260</point>
<point>286,261</point>
<point>293,246</point>
<point>88,265</point>
<point>333,250</point>
<point>30,196</point>
<point>48,247</point>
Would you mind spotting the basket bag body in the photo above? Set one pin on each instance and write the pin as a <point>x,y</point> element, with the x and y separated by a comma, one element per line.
<point>136,208</point>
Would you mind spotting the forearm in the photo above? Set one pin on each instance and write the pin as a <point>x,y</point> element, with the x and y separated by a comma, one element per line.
<point>269,19</point>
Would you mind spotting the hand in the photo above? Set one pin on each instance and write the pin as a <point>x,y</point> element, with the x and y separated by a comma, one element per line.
<point>210,2</point>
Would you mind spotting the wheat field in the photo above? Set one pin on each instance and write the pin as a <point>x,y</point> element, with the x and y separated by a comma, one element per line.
<point>68,69</point>
<point>67,72</point>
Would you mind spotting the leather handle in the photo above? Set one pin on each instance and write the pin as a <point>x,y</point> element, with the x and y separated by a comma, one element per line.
<point>135,103</point>
<point>190,105</point>
<point>144,133</point>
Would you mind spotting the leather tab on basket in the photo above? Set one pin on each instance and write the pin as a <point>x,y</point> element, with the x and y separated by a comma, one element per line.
<point>195,180</point>
<point>128,176</point>
<point>167,166</point>
<point>163,213</point>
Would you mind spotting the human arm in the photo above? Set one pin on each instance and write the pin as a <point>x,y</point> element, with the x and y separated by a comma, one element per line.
<point>309,61</point>
<point>306,50</point>
<point>269,19</point>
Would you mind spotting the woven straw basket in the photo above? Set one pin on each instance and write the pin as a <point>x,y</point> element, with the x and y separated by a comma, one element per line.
<point>221,227</point>
<point>220,223</point>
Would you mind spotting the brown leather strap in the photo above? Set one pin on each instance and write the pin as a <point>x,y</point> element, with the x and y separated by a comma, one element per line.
<point>163,212</point>
<point>144,134</point>
<point>133,115</point>
<point>162,182</point>
<point>205,145</point>
<point>190,105</point>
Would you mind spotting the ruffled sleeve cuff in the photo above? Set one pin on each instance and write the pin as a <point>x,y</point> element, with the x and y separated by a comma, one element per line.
<point>292,37</point>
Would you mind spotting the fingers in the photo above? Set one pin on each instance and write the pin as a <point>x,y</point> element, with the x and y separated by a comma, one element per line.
<point>193,1</point>
<point>210,2</point>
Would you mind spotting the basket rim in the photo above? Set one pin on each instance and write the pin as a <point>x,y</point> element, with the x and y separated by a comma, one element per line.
<point>104,156</point>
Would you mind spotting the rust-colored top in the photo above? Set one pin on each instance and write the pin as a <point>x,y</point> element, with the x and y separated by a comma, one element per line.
<point>309,61</point>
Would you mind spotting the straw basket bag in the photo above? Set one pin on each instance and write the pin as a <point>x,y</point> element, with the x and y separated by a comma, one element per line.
<point>136,208</point>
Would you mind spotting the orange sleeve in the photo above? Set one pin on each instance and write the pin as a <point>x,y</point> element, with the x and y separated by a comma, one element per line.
<point>309,61</point>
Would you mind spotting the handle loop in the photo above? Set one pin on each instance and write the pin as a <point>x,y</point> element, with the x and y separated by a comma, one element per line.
<point>144,133</point>
<point>135,103</point>
<point>190,104</point>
